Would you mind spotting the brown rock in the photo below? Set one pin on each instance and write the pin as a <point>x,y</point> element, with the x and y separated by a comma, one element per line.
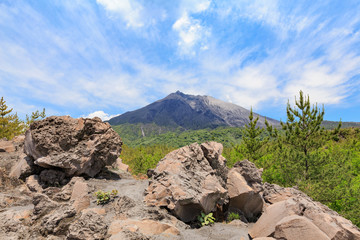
<point>7,146</point>
<point>77,146</point>
<point>100,211</point>
<point>120,165</point>
<point>242,196</point>
<point>57,221</point>
<point>298,227</point>
<point>10,153</point>
<point>265,226</point>
<point>13,223</point>
<point>185,183</point>
<point>32,182</point>
<point>296,202</point>
<point>43,205</point>
<point>88,226</point>
<point>212,152</point>
<point>251,174</point>
<point>264,238</point>
<point>79,196</point>
<point>329,225</point>
<point>23,168</point>
<point>145,227</point>
<point>274,193</point>
<point>51,177</point>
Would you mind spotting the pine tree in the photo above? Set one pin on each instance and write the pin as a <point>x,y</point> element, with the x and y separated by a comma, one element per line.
<point>10,124</point>
<point>251,140</point>
<point>302,128</point>
<point>34,116</point>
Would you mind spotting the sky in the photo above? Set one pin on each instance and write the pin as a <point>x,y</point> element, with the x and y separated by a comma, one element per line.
<point>105,57</point>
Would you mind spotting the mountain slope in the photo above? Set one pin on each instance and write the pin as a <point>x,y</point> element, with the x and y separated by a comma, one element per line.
<point>189,112</point>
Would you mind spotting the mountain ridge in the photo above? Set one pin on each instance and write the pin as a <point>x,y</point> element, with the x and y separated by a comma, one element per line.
<point>190,112</point>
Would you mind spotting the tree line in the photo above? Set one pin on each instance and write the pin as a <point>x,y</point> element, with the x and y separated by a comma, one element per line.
<point>325,164</point>
<point>11,125</point>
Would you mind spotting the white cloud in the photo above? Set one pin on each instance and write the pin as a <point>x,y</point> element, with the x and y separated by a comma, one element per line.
<point>129,10</point>
<point>101,114</point>
<point>191,33</point>
<point>194,6</point>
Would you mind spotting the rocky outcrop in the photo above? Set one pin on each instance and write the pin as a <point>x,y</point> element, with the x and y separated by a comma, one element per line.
<point>292,214</point>
<point>55,205</point>
<point>90,226</point>
<point>293,227</point>
<point>75,146</point>
<point>186,182</point>
<point>242,196</point>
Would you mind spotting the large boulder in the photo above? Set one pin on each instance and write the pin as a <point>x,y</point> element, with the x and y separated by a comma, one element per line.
<point>76,146</point>
<point>292,214</point>
<point>187,181</point>
<point>242,196</point>
<point>298,227</point>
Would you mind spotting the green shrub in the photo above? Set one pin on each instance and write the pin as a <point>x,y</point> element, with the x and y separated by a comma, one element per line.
<point>206,219</point>
<point>233,216</point>
<point>104,197</point>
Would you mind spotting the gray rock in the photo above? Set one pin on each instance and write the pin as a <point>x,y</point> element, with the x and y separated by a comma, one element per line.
<point>87,227</point>
<point>43,205</point>
<point>185,183</point>
<point>58,221</point>
<point>32,182</point>
<point>242,196</point>
<point>298,227</point>
<point>251,174</point>
<point>24,168</point>
<point>76,146</point>
<point>51,177</point>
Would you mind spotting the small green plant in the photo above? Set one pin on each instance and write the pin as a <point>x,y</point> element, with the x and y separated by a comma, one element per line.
<point>206,219</point>
<point>233,216</point>
<point>104,197</point>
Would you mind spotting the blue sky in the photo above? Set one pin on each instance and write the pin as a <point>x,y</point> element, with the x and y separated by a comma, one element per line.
<point>106,57</point>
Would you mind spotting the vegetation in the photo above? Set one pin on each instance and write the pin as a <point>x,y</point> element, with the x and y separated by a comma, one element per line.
<point>105,197</point>
<point>322,162</point>
<point>11,125</point>
<point>131,134</point>
<point>252,139</point>
<point>233,216</point>
<point>206,219</point>
<point>142,158</point>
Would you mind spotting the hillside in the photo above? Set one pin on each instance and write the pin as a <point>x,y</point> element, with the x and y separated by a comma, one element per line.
<point>135,135</point>
<point>189,112</point>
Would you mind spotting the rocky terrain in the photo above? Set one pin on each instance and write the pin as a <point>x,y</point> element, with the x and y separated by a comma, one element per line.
<point>190,112</point>
<point>48,179</point>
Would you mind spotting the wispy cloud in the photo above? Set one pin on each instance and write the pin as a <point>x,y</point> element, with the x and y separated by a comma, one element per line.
<point>76,57</point>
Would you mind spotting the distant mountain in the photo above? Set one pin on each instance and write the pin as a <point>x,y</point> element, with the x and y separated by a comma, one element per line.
<point>190,112</point>
<point>333,124</point>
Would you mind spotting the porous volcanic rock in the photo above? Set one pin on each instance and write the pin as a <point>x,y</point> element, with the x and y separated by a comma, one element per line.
<point>75,146</point>
<point>186,182</point>
<point>89,225</point>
